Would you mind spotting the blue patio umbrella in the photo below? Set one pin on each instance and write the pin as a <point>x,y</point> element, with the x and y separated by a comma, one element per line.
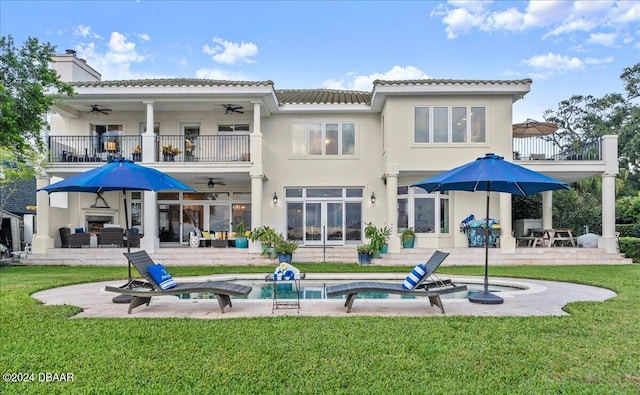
<point>491,173</point>
<point>119,175</point>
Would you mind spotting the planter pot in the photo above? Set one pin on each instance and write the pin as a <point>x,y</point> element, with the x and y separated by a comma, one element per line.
<point>285,257</point>
<point>271,253</point>
<point>364,259</point>
<point>375,254</point>
<point>385,248</point>
<point>242,242</point>
<point>408,243</point>
<point>169,158</point>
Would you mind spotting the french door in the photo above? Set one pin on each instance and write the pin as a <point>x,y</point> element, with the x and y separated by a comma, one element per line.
<point>324,223</point>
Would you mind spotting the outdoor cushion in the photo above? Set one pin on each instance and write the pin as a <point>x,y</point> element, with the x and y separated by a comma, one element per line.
<point>162,277</point>
<point>415,277</point>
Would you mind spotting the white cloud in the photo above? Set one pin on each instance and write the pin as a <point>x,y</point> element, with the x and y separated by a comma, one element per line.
<point>84,31</point>
<point>228,52</point>
<point>115,62</point>
<point>219,74</point>
<point>365,82</point>
<point>605,39</point>
<point>143,37</point>
<point>545,66</point>
<point>596,61</point>
<point>554,61</point>
<point>558,17</point>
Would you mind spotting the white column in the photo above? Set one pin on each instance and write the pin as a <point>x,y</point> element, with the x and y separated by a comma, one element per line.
<point>42,240</point>
<point>256,208</point>
<point>148,137</point>
<point>150,241</point>
<point>507,241</point>
<point>608,240</point>
<point>256,139</point>
<point>392,210</point>
<point>547,210</point>
<point>609,151</point>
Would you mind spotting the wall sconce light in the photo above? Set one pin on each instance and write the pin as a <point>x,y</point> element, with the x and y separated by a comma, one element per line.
<point>373,197</point>
<point>275,198</point>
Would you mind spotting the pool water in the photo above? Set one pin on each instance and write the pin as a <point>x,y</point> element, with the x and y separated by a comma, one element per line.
<point>314,289</point>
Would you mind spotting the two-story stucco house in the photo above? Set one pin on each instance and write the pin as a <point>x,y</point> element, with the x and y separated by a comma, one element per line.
<point>314,164</point>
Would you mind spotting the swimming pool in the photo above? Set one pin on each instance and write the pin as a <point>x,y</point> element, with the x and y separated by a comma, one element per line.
<point>317,289</point>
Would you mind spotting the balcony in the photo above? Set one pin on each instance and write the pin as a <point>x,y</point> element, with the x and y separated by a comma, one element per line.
<point>554,148</point>
<point>219,148</point>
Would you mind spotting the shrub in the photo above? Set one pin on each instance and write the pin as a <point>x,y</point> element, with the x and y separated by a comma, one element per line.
<point>630,247</point>
<point>628,230</point>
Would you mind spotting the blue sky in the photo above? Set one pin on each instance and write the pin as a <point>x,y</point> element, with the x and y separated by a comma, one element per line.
<point>566,47</point>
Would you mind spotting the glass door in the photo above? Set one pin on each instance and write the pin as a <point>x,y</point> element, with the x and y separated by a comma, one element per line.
<point>169,223</point>
<point>324,223</point>
<point>192,219</point>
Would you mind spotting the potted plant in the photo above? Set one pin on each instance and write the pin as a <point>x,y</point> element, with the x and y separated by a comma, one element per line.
<point>364,254</point>
<point>136,154</point>
<point>268,237</point>
<point>408,238</point>
<point>378,237</point>
<point>285,249</point>
<point>169,152</point>
<point>385,233</point>
<point>241,238</point>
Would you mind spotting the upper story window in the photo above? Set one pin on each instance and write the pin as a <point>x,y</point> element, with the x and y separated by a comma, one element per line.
<point>323,139</point>
<point>234,127</point>
<point>107,137</point>
<point>454,124</point>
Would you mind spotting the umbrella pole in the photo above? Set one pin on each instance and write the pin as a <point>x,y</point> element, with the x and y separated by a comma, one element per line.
<point>125,298</point>
<point>485,297</point>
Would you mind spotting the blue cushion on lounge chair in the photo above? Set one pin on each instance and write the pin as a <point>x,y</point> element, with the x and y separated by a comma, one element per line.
<point>162,277</point>
<point>415,277</point>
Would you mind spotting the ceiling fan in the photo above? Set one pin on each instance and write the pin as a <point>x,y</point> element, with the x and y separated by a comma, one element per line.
<point>212,183</point>
<point>95,109</point>
<point>231,108</point>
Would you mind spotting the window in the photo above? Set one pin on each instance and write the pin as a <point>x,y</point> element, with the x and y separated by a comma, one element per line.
<point>323,139</point>
<point>425,212</point>
<point>449,125</point>
<point>142,128</point>
<point>234,127</point>
<point>106,137</point>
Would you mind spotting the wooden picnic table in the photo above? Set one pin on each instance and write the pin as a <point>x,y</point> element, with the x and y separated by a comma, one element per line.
<point>549,237</point>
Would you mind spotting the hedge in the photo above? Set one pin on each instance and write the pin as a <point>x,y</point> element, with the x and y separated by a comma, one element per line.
<point>628,230</point>
<point>630,247</point>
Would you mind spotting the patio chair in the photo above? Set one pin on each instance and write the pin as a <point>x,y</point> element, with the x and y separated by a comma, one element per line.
<point>142,291</point>
<point>69,240</point>
<point>414,285</point>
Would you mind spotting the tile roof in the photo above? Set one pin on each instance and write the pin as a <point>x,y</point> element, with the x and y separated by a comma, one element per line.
<point>322,96</point>
<point>164,82</point>
<point>451,82</point>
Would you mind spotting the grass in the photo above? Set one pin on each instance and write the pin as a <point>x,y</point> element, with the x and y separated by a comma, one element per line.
<point>592,351</point>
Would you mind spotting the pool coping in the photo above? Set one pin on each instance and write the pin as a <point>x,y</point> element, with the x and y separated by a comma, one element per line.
<point>541,298</point>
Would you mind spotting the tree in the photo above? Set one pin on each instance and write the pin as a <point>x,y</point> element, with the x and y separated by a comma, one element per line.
<point>583,119</point>
<point>28,90</point>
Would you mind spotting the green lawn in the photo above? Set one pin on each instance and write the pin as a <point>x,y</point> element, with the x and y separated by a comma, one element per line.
<point>593,351</point>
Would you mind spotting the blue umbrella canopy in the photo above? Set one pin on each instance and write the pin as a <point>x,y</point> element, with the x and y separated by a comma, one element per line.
<point>117,175</point>
<point>490,173</point>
